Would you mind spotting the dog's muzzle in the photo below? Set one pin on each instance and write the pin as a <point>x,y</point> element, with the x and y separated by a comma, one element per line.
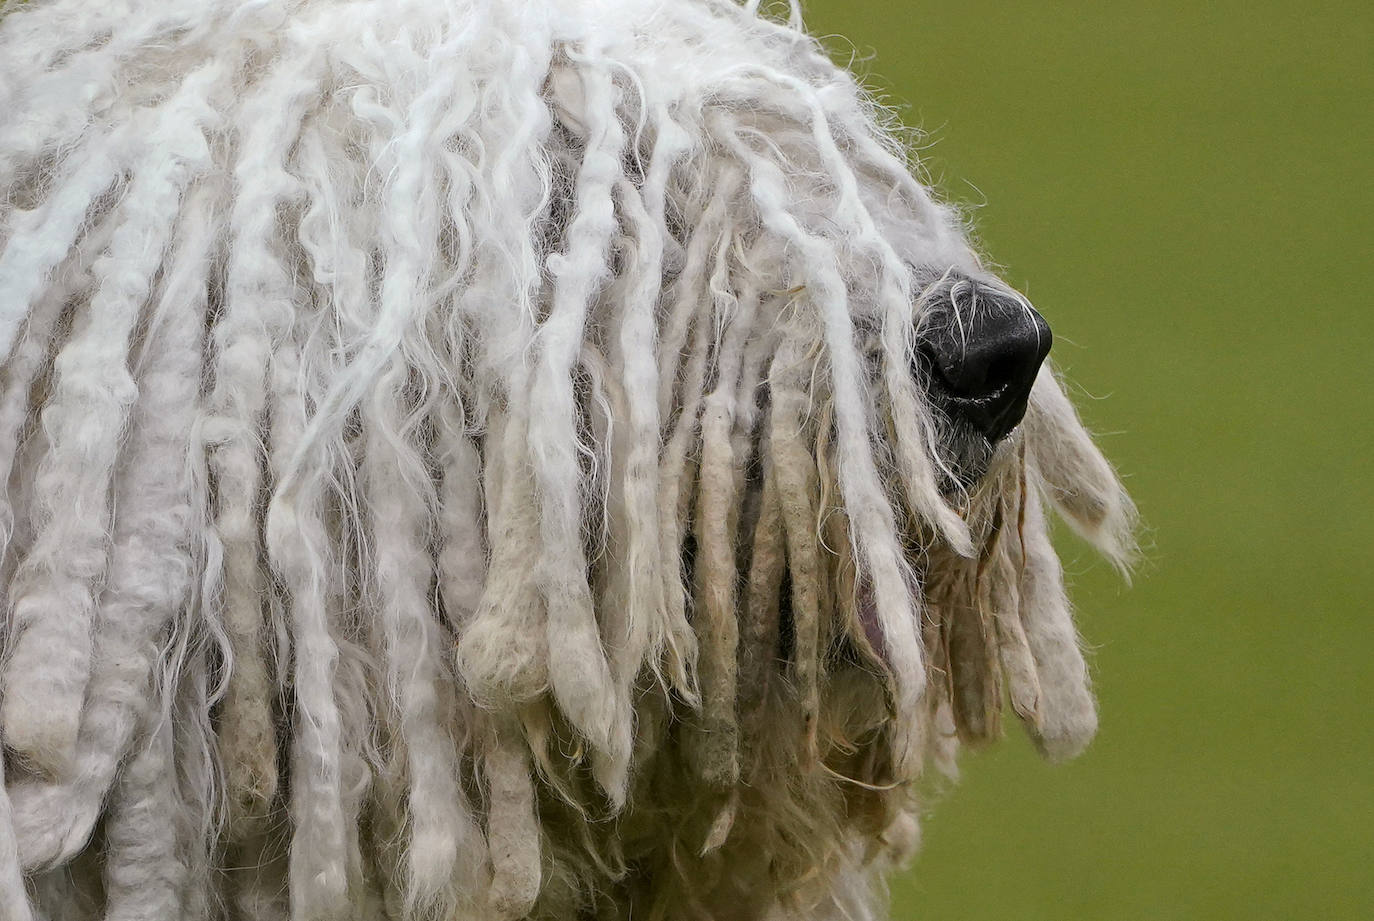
<point>981,356</point>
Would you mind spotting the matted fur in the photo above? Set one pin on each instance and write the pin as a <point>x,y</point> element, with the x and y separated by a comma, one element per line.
<point>463,460</point>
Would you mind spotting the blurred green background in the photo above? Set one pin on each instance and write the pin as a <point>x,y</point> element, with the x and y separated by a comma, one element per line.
<point>1186,190</point>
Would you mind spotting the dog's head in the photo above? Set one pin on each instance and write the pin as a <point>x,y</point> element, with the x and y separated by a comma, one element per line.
<point>546,459</point>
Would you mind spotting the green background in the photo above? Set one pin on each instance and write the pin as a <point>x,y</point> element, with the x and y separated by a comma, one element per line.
<point>1186,191</point>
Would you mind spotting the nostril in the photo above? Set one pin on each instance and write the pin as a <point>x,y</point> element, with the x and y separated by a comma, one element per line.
<point>1000,373</point>
<point>978,372</point>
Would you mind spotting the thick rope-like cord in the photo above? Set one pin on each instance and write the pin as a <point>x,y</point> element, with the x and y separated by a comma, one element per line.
<point>715,743</point>
<point>53,589</point>
<point>145,873</point>
<point>797,487</point>
<point>578,670</point>
<point>1075,476</point>
<point>151,563</point>
<point>32,353</point>
<point>256,316</point>
<point>412,645</point>
<point>1068,712</point>
<point>512,825</point>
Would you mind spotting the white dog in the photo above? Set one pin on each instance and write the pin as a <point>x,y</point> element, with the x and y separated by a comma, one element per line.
<point>498,459</point>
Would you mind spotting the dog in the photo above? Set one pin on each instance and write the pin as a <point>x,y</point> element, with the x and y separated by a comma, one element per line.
<point>481,459</point>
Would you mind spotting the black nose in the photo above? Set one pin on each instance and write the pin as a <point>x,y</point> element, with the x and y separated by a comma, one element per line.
<point>983,349</point>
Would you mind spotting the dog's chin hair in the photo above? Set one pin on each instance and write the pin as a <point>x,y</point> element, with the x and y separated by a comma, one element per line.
<point>967,459</point>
